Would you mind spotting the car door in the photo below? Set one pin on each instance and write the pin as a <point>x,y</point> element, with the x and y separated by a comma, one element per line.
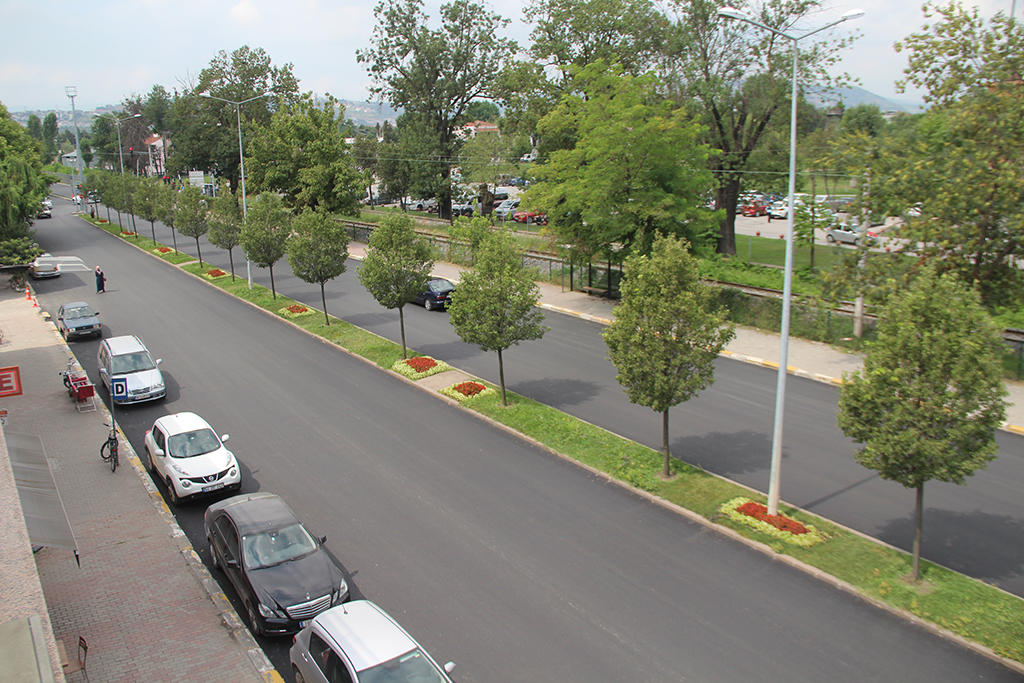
<point>325,665</point>
<point>228,546</point>
<point>159,457</point>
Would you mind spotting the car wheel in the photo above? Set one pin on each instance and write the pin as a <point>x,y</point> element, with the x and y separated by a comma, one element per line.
<point>830,238</point>
<point>64,333</point>
<point>856,241</point>
<point>253,621</point>
<point>298,676</point>
<point>149,461</point>
<point>427,304</point>
<point>213,554</point>
<point>172,494</point>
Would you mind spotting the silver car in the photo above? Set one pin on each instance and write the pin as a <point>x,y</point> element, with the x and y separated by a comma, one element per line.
<point>127,358</point>
<point>847,234</point>
<point>360,642</point>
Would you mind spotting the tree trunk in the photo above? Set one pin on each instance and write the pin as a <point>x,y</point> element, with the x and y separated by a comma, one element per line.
<point>501,377</point>
<point>323,300</point>
<point>918,524</point>
<point>231,258</point>
<point>273,291</point>
<point>726,197</point>
<point>200,252</point>
<point>401,324</point>
<point>174,236</point>
<point>664,440</point>
<point>153,230</point>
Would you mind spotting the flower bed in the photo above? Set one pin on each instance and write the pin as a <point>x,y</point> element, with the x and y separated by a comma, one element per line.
<point>163,250</point>
<point>127,233</point>
<point>103,221</point>
<point>294,311</point>
<point>215,273</point>
<point>419,367</point>
<point>755,515</point>
<point>464,390</point>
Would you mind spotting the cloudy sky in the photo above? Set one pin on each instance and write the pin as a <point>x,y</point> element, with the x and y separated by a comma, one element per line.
<point>110,49</point>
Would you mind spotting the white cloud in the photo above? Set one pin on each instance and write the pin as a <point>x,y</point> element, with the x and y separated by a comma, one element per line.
<point>245,12</point>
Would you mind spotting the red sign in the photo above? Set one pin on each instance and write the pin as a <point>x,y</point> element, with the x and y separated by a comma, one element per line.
<point>10,381</point>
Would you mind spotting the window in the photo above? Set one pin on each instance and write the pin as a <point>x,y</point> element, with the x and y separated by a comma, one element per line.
<point>328,661</point>
<point>229,535</point>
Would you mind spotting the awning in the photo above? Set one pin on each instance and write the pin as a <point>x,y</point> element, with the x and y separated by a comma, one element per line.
<point>45,517</point>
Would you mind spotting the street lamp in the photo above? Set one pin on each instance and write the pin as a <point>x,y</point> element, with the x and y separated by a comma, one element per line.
<point>241,159</point>
<point>120,151</point>
<point>780,392</point>
<point>72,92</point>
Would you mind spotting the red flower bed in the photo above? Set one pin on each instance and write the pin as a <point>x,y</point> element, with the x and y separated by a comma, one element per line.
<point>420,363</point>
<point>469,388</point>
<point>164,250</point>
<point>759,511</point>
<point>127,233</point>
<point>294,308</point>
<point>216,272</point>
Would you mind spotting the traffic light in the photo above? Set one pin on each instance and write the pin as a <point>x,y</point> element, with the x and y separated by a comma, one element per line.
<point>131,152</point>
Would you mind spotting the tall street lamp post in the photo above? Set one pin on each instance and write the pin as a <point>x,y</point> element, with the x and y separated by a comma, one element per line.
<point>120,150</point>
<point>780,392</point>
<point>241,160</point>
<point>72,92</point>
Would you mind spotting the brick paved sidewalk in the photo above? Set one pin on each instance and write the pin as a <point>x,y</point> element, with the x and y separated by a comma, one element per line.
<point>141,597</point>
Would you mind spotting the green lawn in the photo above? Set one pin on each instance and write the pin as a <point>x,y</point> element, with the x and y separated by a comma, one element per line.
<point>964,606</point>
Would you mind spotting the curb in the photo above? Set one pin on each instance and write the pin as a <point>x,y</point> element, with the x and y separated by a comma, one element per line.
<point>229,617</point>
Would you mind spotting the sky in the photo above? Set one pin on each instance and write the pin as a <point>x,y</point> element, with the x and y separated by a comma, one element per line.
<point>111,49</point>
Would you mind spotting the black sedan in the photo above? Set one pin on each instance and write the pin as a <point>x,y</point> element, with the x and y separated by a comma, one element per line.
<point>77,319</point>
<point>280,571</point>
<point>436,295</point>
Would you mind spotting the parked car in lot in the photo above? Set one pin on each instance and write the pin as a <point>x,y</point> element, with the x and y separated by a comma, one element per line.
<point>845,233</point>
<point>754,208</point>
<point>423,205</point>
<point>361,642</point>
<point>187,455</point>
<point>506,209</point>
<point>281,572</point>
<point>77,319</point>
<point>128,358</point>
<point>437,294</point>
<point>462,209</point>
<point>536,217</point>
<point>45,265</point>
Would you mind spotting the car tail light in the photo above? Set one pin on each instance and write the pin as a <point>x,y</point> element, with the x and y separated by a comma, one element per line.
<point>872,234</point>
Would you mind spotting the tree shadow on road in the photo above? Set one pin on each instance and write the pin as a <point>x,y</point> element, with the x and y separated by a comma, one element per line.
<point>727,454</point>
<point>558,393</point>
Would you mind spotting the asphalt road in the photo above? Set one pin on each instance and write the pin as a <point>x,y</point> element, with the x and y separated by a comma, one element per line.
<point>513,563</point>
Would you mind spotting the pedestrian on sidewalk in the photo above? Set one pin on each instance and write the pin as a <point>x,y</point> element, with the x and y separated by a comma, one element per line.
<point>100,280</point>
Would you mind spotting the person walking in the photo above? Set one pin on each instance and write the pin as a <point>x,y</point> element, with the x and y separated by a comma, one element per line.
<point>100,280</point>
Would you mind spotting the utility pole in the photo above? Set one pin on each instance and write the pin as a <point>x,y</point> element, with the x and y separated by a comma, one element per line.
<point>71,92</point>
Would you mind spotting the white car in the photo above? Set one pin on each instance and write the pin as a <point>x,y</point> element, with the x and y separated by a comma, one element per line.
<point>188,456</point>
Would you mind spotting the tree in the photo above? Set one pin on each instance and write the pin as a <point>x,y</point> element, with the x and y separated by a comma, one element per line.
<point>225,220</point>
<point>434,74</point>
<point>317,250</point>
<point>265,233</point>
<point>864,118</point>
<point>50,136</point>
<point>166,209</point>
<point>157,109</point>
<point>35,127</point>
<point>147,201</point>
<point>637,169</point>
<point>190,215</point>
<point>495,304</point>
<point>302,154</point>
<point>930,397</point>
<point>364,156</point>
<point>23,183</point>
<point>396,266</point>
<point>482,111</point>
<point>737,77</point>
<point>667,331</point>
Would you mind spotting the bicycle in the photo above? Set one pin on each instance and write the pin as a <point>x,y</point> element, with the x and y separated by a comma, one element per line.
<point>108,451</point>
<point>18,282</point>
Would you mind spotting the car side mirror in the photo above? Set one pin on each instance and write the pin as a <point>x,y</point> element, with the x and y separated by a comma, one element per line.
<point>449,667</point>
<point>158,452</point>
<point>231,564</point>
<point>224,437</point>
<point>322,539</point>
<point>159,361</point>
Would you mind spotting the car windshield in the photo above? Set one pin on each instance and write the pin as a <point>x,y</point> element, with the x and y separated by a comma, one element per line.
<point>412,666</point>
<point>272,548</point>
<point>191,444</point>
<point>131,362</point>
<point>76,313</point>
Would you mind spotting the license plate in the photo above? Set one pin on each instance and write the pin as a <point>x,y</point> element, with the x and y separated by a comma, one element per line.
<point>302,624</point>
<point>214,487</point>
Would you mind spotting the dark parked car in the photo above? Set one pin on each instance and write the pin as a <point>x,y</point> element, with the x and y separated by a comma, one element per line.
<point>77,319</point>
<point>437,294</point>
<point>280,571</point>
<point>462,209</point>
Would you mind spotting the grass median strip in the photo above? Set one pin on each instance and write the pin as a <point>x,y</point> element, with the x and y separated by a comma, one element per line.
<point>964,606</point>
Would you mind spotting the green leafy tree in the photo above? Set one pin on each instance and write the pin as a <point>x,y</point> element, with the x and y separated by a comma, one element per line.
<point>302,154</point>
<point>495,304</point>
<point>265,232</point>
<point>225,220</point>
<point>190,215</point>
<point>434,74</point>
<point>166,207</point>
<point>147,201</point>
<point>157,109</point>
<point>737,78</point>
<point>23,183</point>
<point>482,111</point>
<point>667,331</point>
<point>18,251</point>
<point>50,136</point>
<point>35,127</point>
<point>930,397</point>
<point>638,167</point>
<point>864,118</point>
<point>364,156</point>
<point>317,250</point>
<point>397,265</point>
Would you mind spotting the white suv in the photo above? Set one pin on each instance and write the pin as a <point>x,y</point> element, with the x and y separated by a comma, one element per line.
<point>358,641</point>
<point>128,358</point>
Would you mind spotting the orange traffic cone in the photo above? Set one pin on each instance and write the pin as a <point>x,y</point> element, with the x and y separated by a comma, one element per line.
<point>28,293</point>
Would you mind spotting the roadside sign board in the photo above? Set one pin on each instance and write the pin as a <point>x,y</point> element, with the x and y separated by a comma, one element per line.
<point>119,388</point>
<point>10,381</point>
<point>196,179</point>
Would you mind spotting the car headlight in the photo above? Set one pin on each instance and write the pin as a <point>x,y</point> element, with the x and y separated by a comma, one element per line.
<point>342,590</point>
<point>179,470</point>
<point>158,385</point>
<point>269,612</point>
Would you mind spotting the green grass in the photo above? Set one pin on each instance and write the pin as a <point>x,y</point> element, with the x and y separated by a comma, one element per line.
<point>965,606</point>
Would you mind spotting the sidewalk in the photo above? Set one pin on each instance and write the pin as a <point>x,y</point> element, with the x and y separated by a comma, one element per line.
<point>813,360</point>
<point>141,597</point>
